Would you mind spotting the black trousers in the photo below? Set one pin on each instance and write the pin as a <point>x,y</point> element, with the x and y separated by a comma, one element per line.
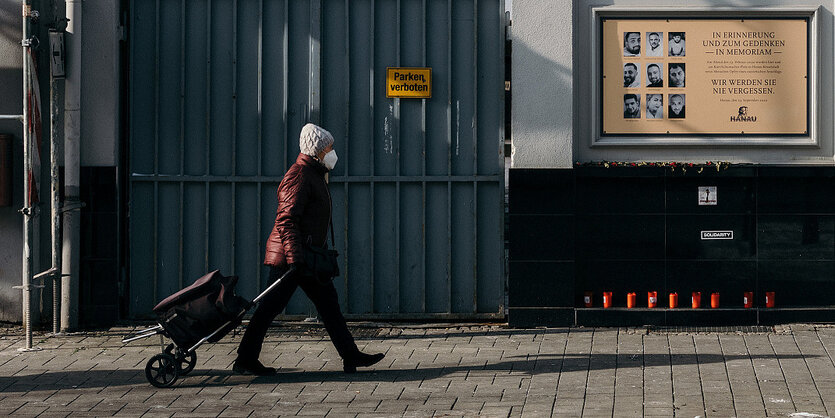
<point>323,296</point>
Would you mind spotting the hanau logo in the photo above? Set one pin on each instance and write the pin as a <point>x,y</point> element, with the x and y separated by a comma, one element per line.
<point>717,234</point>
<point>743,116</point>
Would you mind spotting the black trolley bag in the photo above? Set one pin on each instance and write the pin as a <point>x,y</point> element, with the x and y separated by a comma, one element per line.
<point>202,308</point>
<point>205,311</point>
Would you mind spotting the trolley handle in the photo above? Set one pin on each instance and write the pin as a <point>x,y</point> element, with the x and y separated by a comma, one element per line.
<point>272,286</point>
<point>145,333</point>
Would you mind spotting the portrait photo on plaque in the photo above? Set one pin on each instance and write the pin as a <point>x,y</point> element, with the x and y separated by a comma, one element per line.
<point>631,106</point>
<point>655,106</point>
<point>655,44</point>
<point>655,76</point>
<point>676,43</point>
<point>676,74</point>
<point>632,44</point>
<point>632,75</point>
<point>677,109</point>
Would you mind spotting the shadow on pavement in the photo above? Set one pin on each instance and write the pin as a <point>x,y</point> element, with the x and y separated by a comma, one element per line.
<point>524,366</point>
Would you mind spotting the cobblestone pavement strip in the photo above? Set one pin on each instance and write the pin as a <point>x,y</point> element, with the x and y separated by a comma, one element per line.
<point>483,370</point>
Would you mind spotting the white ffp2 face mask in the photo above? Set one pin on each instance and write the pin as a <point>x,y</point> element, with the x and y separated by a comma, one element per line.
<point>330,160</point>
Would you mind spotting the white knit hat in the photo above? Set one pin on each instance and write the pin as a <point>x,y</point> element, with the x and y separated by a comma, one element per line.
<point>313,139</point>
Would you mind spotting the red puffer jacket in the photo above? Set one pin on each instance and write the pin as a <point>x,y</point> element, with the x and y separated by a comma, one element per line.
<point>304,210</point>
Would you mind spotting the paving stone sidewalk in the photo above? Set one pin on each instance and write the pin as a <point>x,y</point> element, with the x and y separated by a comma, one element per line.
<point>431,370</point>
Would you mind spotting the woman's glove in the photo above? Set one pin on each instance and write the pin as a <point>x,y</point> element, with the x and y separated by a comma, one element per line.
<point>297,266</point>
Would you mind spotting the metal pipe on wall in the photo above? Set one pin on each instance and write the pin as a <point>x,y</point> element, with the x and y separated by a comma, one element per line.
<point>72,173</point>
<point>54,198</point>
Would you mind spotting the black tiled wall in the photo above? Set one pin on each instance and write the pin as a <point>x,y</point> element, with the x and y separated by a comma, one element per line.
<point>638,229</point>
<point>99,272</point>
<point>541,247</point>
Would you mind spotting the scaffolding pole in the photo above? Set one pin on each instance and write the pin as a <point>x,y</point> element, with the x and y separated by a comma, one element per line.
<point>28,211</point>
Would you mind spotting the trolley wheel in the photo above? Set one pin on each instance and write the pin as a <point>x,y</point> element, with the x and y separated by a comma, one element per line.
<point>185,362</point>
<point>161,370</point>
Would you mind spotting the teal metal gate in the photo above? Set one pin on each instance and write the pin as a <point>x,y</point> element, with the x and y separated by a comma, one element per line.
<point>219,92</point>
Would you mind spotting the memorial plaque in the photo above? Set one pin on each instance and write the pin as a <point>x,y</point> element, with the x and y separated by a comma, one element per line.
<point>705,76</point>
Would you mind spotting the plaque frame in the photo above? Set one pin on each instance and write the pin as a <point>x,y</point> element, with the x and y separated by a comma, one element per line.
<point>812,137</point>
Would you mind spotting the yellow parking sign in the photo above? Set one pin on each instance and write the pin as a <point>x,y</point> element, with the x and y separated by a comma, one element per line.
<point>412,83</point>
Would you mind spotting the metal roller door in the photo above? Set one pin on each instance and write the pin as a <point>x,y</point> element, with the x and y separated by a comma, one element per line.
<point>219,92</point>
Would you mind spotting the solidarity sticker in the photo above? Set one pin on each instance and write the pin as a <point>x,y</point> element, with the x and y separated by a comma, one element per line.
<point>717,235</point>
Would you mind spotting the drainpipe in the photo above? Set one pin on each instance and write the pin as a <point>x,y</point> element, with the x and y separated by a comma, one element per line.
<point>72,173</point>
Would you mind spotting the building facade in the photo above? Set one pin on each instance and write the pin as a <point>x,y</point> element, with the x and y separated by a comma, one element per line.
<point>701,161</point>
<point>607,201</point>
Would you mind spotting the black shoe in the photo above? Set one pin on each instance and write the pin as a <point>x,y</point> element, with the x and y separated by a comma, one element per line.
<point>360,359</point>
<point>252,367</point>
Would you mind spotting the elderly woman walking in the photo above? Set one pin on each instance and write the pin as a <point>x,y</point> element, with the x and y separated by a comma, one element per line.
<point>303,216</point>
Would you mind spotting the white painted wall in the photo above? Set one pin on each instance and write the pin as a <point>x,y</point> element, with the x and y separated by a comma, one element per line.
<point>552,82</point>
<point>11,103</point>
<point>100,84</point>
<point>541,118</point>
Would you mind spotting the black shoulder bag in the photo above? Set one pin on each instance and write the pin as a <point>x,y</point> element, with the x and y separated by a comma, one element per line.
<point>321,262</point>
